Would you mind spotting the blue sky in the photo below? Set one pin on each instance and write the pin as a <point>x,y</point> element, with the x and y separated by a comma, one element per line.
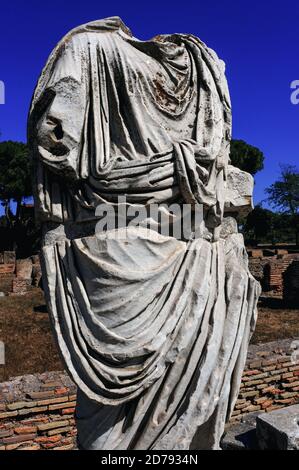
<point>259,41</point>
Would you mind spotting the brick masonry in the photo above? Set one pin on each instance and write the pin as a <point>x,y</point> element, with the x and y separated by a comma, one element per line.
<point>7,270</point>
<point>270,379</point>
<point>37,412</point>
<point>270,270</point>
<point>16,276</point>
<point>291,284</point>
<point>257,267</point>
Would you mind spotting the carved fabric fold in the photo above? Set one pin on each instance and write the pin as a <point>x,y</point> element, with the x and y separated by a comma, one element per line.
<point>114,115</point>
<point>181,346</point>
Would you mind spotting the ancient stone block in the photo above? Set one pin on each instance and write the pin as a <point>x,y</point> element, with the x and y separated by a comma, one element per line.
<point>8,414</point>
<point>24,268</point>
<point>20,405</point>
<point>9,257</point>
<point>17,439</point>
<point>279,430</point>
<point>59,430</point>
<point>39,395</point>
<point>29,411</point>
<point>52,401</point>
<point>62,405</point>
<point>25,429</point>
<point>54,425</point>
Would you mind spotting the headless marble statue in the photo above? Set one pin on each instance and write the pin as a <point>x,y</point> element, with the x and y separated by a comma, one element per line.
<point>153,329</point>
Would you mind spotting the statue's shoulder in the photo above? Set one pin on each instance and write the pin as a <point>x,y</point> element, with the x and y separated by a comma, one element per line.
<point>106,25</point>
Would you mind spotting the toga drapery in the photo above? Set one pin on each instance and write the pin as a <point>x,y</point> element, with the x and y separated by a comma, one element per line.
<point>153,330</point>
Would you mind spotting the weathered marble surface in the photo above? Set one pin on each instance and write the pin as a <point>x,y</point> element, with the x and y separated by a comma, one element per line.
<point>154,330</point>
<point>279,430</point>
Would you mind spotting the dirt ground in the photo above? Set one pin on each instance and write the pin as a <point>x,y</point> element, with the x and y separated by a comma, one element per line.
<point>275,321</point>
<point>27,335</point>
<point>30,347</point>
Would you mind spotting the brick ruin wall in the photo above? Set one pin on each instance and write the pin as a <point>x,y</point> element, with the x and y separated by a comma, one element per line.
<point>37,411</point>
<point>7,271</point>
<point>291,284</point>
<point>270,379</point>
<point>16,276</point>
<point>269,267</point>
<point>277,272</point>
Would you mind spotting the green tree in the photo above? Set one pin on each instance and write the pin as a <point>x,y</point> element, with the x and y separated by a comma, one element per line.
<point>260,225</point>
<point>284,195</point>
<point>246,157</point>
<point>15,176</point>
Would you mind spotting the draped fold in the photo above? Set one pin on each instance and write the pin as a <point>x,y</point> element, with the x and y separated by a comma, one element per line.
<point>115,115</point>
<point>182,342</point>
